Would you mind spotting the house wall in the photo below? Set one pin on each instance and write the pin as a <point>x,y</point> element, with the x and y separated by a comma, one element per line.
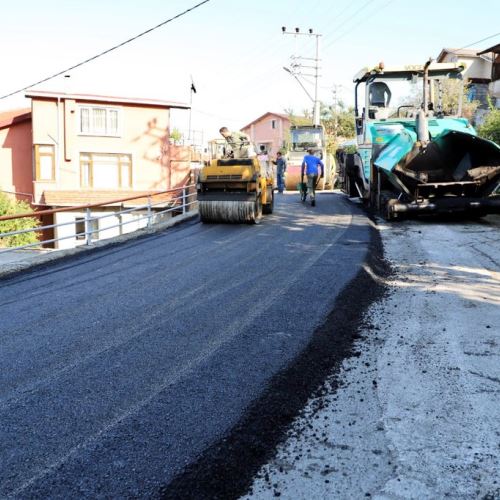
<point>494,88</point>
<point>475,67</point>
<point>180,160</point>
<point>132,222</point>
<point>261,132</point>
<point>16,173</point>
<point>143,134</point>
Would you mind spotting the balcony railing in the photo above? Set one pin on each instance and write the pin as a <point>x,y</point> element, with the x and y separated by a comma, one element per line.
<point>180,201</point>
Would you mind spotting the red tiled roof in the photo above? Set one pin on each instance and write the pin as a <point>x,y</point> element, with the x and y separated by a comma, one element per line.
<point>71,198</point>
<point>12,116</point>
<point>110,99</point>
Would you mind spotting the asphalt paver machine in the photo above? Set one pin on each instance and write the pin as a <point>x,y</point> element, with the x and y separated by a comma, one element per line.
<point>414,157</point>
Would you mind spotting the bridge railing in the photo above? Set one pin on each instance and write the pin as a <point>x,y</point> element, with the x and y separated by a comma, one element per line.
<point>180,201</point>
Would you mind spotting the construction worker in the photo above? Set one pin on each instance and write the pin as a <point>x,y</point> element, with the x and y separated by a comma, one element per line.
<point>310,165</point>
<point>380,95</point>
<point>281,170</point>
<point>266,166</point>
<point>239,144</point>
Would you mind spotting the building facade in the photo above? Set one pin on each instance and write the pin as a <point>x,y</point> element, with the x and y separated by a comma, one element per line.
<point>73,149</point>
<point>270,130</point>
<point>494,86</point>
<point>477,72</point>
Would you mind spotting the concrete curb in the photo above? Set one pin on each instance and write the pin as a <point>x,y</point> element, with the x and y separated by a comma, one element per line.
<point>12,268</point>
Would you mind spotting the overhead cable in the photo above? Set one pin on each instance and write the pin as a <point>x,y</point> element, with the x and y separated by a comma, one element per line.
<point>93,58</point>
<point>479,41</point>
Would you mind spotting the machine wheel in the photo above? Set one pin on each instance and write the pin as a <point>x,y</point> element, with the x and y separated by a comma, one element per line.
<point>386,204</point>
<point>258,211</point>
<point>269,207</point>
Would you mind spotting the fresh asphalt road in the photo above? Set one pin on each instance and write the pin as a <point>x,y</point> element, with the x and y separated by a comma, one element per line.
<point>120,367</point>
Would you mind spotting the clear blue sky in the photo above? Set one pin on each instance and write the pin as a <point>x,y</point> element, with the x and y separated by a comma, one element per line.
<point>234,50</point>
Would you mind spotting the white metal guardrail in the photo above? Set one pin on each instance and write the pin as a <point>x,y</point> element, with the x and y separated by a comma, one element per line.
<point>183,198</point>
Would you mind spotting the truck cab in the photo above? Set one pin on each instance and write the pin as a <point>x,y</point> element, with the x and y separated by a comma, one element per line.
<point>302,138</point>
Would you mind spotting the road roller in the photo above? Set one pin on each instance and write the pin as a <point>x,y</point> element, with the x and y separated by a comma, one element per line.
<point>235,190</point>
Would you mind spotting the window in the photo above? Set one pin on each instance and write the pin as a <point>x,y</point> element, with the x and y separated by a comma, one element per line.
<point>273,123</point>
<point>85,171</point>
<point>80,229</point>
<point>105,171</point>
<point>103,121</point>
<point>45,162</point>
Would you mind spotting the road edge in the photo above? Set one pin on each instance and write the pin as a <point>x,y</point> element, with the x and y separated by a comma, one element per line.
<point>14,269</point>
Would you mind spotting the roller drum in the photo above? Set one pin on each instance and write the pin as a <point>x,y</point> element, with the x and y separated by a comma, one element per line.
<point>230,211</point>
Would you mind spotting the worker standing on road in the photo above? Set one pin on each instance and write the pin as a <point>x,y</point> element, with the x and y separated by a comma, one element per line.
<point>280,171</point>
<point>266,166</point>
<point>310,165</point>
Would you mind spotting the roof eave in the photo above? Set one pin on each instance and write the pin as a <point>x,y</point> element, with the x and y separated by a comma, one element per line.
<point>15,120</point>
<point>495,49</point>
<point>108,99</point>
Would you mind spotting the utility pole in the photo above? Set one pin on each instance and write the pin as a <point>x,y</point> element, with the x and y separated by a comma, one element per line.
<point>298,66</point>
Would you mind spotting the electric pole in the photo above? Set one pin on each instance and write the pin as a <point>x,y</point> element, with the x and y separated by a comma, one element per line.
<point>299,66</point>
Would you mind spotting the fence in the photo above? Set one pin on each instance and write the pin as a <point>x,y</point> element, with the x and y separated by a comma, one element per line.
<point>180,201</point>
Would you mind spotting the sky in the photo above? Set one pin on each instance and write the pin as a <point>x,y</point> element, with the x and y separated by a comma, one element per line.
<point>234,51</point>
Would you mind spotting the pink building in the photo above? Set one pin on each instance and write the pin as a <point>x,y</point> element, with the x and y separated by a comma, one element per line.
<point>270,130</point>
<point>16,147</point>
<point>72,149</point>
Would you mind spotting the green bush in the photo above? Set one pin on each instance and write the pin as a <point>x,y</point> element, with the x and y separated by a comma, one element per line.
<point>490,129</point>
<point>12,207</point>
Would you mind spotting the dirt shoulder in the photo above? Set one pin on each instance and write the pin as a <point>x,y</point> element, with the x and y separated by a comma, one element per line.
<point>415,415</point>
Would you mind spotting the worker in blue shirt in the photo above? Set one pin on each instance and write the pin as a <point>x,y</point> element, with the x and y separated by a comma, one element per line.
<point>310,165</point>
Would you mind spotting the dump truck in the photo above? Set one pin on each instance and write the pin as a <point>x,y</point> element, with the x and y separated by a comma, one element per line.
<point>234,190</point>
<point>417,157</point>
<point>302,138</point>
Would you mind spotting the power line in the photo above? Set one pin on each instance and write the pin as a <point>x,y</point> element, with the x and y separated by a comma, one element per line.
<point>479,41</point>
<point>93,58</point>
<point>366,18</point>
<point>346,21</point>
<point>337,18</point>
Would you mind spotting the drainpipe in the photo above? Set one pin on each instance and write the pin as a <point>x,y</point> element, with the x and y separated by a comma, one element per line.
<point>58,161</point>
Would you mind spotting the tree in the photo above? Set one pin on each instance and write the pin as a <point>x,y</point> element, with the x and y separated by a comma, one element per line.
<point>12,207</point>
<point>490,129</point>
<point>176,136</point>
<point>452,93</point>
<point>452,90</point>
<point>339,124</point>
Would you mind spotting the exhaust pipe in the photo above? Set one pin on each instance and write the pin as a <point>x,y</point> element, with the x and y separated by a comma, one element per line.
<point>422,124</point>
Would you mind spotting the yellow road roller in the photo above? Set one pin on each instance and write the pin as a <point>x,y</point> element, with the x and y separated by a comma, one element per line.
<point>235,190</point>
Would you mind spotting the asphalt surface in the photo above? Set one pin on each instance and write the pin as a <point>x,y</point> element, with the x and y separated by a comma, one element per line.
<point>121,367</point>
